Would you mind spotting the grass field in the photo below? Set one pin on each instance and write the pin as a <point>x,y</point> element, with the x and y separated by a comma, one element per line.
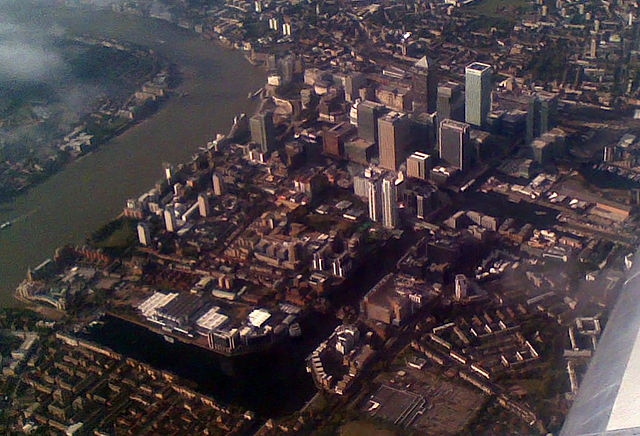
<point>364,428</point>
<point>116,235</point>
<point>507,9</point>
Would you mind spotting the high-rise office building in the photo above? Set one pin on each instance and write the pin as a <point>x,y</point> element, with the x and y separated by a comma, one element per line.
<point>541,114</point>
<point>203,205</point>
<point>352,83</point>
<point>424,83</point>
<point>170,219</point>
<point>418,165</point>
<point>144,235</point>
<point>263,131</point>
<point>478,85</point>
<point>455,144</point>
<point>375,199</point>
<point>287,67</point>
<point>389,203</point>
<point>286,29</point>
<point>368,114</point>
<point>593,48</point>
<point>218,184</point>
<point>334,139</point>
<point>417,198</point>
<point>461,287</point>
<point>168,171</point>
<point>450,104</point>
<point>394,139</point>
<point>609,154</point>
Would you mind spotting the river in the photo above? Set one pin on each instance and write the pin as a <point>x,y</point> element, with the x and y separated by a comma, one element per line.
<point>92,190</point>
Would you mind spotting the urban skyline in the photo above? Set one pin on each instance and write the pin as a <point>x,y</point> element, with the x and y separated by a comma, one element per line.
<point>426,224</point>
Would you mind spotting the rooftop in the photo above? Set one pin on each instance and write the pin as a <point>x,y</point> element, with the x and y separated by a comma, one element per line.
<point>478,66</point>
<point>453,124</point>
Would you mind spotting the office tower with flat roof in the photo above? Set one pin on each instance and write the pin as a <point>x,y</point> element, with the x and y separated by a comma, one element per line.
<point>218,184</point>
<point>375,199</point>
<point>541,114</point>
<point>394,139</point>
<point>263,131</point>
<point>417,197</point>
<point>450,103</point>
<point>170,219</point>
<point>169,171</point>
<point>144,235</point>
<point>419,165</point>
<point>368,114</point>
<point>203,205</point>
<point>424,84</point>
<point>334,139</point>
<point>461,287</point>
<point>455,144</point>
<point>478,85</point>
<point>389,203</point>
<point>352,84</point>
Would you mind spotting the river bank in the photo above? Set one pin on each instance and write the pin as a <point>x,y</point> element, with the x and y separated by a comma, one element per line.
<point>100,88</point>
<point>92,190</point>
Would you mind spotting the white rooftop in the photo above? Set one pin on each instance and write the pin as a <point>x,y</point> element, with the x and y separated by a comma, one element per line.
<point>157,301</point>
<point>212,319</point>
<point>258,317</point>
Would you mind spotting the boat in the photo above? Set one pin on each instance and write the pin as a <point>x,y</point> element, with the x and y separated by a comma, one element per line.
<point>254,94</point>
<point>5,225</point>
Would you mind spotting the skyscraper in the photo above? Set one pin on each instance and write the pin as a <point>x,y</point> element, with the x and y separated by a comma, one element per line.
<point>424,83</point>
<point>375,199</point>
<point>450,102</point>
<point>368,114</point>
<point>394,138</point>
<point>478,86</point>
<point>168,171</point>
<point>170,219</point>
<point>144,235</point>
<point>455,144</point>
<point>462,286</point>
<point>541,114</point>
<point>203,205</point>
<point>263,131</point>
<point>417,198</point>
<point>389,203</point>
<point>418,165</point>
<point>334,138</point>
<point>218,184</point>
<point>352,83</point>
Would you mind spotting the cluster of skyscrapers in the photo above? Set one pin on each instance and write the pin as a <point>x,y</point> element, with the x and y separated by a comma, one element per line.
<point>454,108</point>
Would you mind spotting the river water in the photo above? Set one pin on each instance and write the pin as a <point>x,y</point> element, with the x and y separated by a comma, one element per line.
<point>91,191</point>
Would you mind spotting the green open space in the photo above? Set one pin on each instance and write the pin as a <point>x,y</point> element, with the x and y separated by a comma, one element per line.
<point>365,428</point>
<point>8,343</point>
<point>116,235</point>
<point>504,9</point>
